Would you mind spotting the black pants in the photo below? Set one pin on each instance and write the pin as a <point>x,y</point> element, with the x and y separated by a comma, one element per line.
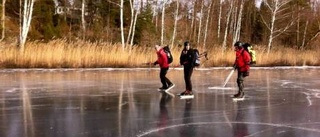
<point>187,77</point>
<point>164,80</point>
<point>240,80</point>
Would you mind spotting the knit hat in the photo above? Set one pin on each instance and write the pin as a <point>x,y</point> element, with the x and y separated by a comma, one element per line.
<point>186,43</point>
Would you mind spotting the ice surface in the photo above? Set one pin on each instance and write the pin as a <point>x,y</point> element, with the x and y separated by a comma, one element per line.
<point>281,101</point>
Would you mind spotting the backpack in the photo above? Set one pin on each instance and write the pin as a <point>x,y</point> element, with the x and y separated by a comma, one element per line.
<point>248,47</point>
<point>197,57</point>
<point>168,53</point>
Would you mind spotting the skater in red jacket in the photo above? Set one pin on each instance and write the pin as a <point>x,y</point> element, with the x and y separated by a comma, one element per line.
<point>242,64</point>
<point>164,67</point>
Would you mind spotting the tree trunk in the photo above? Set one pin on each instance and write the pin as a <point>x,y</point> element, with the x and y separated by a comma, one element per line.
<point>207,24</point>
<point>27,17</point>
<point>162,21</point>
<point>200,22</point>
<point>3,19</point>
<point>224,43</point>
<point>121,20</point>
<point>83,19</point>
<point>304,35</point>
<point>131,22</point>
<point>219,20</point>
<point>175,23</point>
<point>134,27</point>
<point>238,27</point>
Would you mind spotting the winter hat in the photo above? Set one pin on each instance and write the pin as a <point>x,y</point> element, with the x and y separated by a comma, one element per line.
<point>238,44</point>
<point>186,43</point>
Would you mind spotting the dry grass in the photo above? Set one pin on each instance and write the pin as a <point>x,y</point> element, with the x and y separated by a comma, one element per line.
<point>62,54</point>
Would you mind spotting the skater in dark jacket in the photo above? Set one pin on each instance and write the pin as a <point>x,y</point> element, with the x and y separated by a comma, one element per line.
<point>187,59</point>
<point>164,67</point>
<point>242,64</point>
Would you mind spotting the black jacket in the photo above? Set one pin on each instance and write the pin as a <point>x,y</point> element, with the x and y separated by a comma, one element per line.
<point>187,58</point>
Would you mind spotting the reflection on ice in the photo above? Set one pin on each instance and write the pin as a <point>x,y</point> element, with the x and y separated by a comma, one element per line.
<point>125,102</point>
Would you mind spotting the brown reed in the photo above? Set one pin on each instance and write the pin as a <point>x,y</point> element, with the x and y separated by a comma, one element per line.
<point>80,54</point>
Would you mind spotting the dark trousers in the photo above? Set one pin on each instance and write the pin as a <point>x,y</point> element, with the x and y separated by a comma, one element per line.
<point>240,80</point>
<point>164,80</point>
<point>187,77</point>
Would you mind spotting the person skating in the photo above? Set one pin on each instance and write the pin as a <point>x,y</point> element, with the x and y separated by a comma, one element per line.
<point>164,67</point>
<point>242,64</point>
<point>187,59</point>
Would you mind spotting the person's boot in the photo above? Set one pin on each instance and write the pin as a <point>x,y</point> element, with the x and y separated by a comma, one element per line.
<point>237,95</point>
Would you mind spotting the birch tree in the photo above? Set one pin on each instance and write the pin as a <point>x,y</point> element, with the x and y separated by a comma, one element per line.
<point>200,22</point>
<point>224,43</point>
<point>121,21</point>
<point>83,19</point>
<point>3,19</point>
<point>219,19</point>
<point>175,23</point>
<point>162,21</point>
<point>277,10</point>
<point>131,22</point>
<point>121,24</point>
<point>207,24</point>
<point>238,23</point>
<point>25,19</point>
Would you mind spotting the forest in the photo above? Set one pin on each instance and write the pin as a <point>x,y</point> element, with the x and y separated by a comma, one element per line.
<point>129,29</point>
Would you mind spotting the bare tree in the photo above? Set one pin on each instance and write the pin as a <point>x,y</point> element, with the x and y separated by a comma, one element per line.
<point>224,43</point>
<point>207,24</point>
<point>162,21</point>
<point>200,21</point>
<point>121,24</point>
<point>26,21</point>
<point>238,23</point>
<point>121,21</point>
<point>3,19</point>
<point>219,19</point>
<point>83,19</point>
<point>276,7</point>
<point>175,23</point>
<point>131,22</point>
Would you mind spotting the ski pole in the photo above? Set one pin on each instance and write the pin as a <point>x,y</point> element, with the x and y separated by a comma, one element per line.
<point>228,78</point>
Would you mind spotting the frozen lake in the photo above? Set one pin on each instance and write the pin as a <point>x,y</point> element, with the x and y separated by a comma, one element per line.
<point>125,103</point>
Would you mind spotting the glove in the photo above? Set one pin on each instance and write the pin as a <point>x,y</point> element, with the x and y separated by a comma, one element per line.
<point>155,63</point>
<point>234,66</point>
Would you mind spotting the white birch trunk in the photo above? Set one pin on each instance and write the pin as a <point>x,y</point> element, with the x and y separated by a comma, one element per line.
<point>207,24</point>
<point>131,22</point>
<point>200,21</point>
<point>121,20</point>
<point>134,27</point>
<point>276,7</point>
<point>83,10</point>
<point>219,19</point>
<point>162,21</point>
<point>224,43</point>
<point>175,23</point>
<point>304,35</point>
<point>26,21</point>
<point>238,27</point>
<point>3,19</point>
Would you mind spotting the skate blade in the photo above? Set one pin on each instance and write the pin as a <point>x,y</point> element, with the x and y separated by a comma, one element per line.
<point>172,95</point>
<point>160,90</point>
<point>187,97</point>
<point>238,99</point>
<point>166,90</point>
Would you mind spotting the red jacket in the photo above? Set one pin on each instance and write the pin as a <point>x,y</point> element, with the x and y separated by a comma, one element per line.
<point>242,60</point>
<point>162,59</point>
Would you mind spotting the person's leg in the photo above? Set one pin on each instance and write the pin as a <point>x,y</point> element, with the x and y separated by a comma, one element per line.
<point>189,79</point>
<point>240,84</point>
<point>186,75</point>
<point>169,83</point>
<point>163,72</point>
